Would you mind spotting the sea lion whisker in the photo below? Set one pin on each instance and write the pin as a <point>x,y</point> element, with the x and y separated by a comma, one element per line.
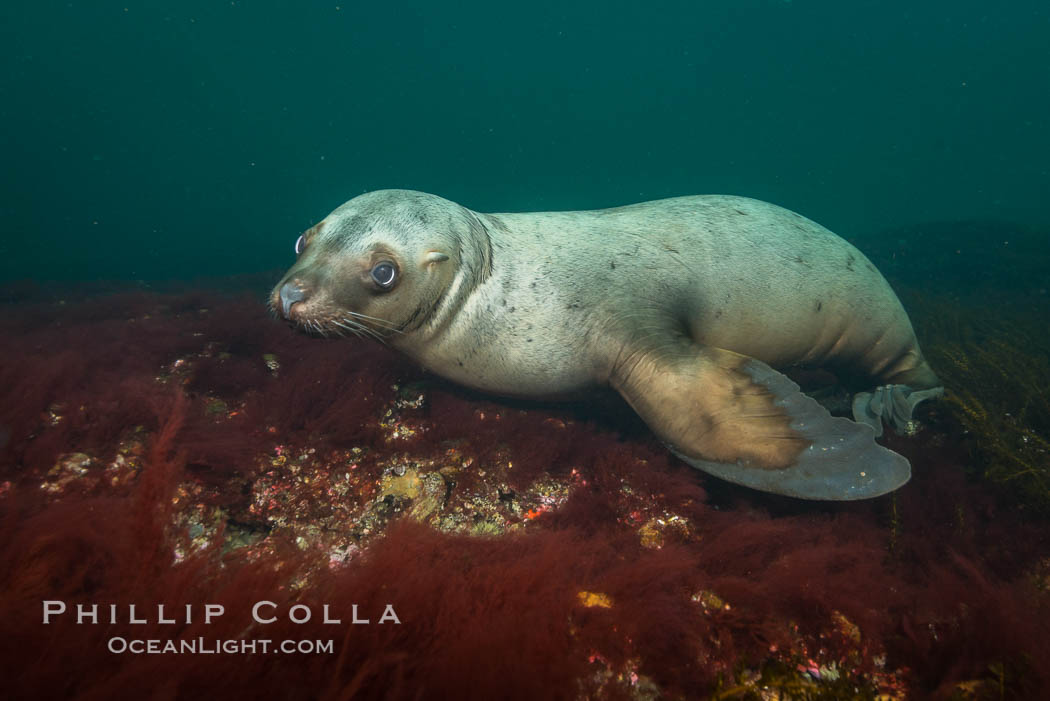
<point>357,329</point>
<point>372,333</point>
<point>388,325</point>
<point>364,328</point>
<point>348,328</point>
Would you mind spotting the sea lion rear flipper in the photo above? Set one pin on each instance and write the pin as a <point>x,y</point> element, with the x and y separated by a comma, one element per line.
<point>893,404</point>
<point>736,418</point>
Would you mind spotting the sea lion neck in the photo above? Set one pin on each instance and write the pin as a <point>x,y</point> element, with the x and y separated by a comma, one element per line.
<point>472,256</point>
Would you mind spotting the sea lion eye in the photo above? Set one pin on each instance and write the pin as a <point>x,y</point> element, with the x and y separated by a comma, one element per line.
<point>384,274</point>
<point>300,244</point>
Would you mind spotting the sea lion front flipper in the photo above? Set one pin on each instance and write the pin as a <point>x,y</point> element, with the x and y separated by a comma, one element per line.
<point>737,418</point>
<point>893,404</point>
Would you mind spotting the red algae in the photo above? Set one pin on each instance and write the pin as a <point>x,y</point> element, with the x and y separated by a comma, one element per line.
<point>188,451</point>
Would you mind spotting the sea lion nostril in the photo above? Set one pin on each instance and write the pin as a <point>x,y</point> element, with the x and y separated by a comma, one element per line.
<point>290,294</point>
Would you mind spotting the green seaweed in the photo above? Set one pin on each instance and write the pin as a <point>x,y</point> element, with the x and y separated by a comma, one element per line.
<point>994,360</point>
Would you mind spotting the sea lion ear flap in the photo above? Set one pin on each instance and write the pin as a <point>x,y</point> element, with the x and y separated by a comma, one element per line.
<point>434,257</point>
<point>736,418</point>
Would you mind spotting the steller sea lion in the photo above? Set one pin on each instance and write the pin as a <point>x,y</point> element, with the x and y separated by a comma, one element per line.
<point>683,305</point>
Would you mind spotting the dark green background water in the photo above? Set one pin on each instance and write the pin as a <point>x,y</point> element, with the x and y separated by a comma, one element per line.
<point>160,140</point>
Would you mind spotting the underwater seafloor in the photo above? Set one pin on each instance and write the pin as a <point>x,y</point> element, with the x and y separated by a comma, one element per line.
<point>181,447</point>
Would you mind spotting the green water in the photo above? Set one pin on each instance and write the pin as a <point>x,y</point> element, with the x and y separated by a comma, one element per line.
<point>169,140</point>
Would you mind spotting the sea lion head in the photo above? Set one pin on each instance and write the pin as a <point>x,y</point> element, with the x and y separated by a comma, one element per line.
<point>379,265</point>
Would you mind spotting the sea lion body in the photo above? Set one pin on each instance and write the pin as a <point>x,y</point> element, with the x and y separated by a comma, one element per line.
<point>569,290</point>
<point>670,302</point>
